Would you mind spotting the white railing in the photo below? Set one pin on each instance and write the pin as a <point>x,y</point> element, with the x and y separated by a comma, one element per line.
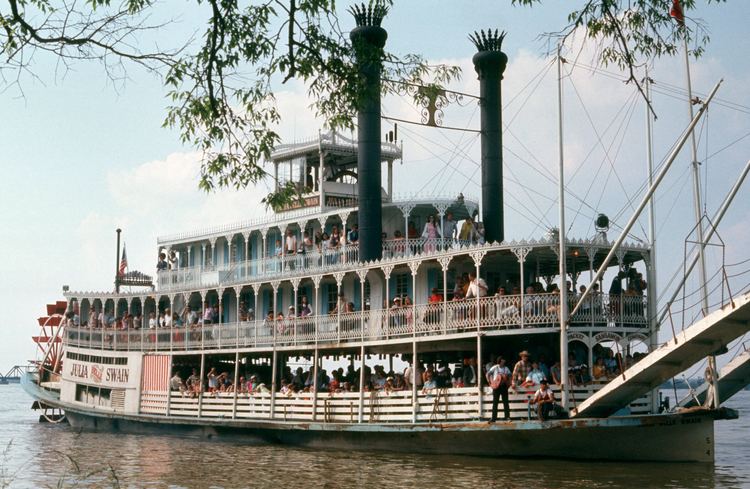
<point>436,319</point>
<point>313,260</point>
<point>453,404</point>
<point>414,246</point>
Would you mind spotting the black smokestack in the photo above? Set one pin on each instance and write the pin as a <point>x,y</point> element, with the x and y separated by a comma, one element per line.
<point>369,39</point>
<point>490,62</point>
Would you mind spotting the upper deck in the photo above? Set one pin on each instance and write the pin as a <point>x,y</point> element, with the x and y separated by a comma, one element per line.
<point>269,311</point>
<point>252,251</point>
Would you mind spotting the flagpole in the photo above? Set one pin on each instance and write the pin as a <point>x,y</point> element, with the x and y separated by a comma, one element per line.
<point>562,251</point>
<point>117,263</point>
<point>712,400</point>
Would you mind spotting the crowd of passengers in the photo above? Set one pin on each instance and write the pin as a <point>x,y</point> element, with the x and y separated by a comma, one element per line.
<point>539,301</point>
<point>527,376</point>
<point>332,243</point>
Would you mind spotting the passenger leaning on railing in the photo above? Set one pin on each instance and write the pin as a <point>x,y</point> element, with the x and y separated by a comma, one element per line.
<point>161,263</point>
<point>430,234</point>
<point>353,235</point>
<point>305,309</point>
<point>449,228</point>
<point>477,286</point>
<point>307,242</point>
<point>521,369</point>
<point>243,311</point>
<point>552,300</point>
<point>290,243</point>
<point>505,307</point>
<point>529,302</point>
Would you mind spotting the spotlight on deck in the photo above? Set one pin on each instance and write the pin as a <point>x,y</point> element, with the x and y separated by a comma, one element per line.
<point>602,222</point>
<point>602,226</point>
<point>66,288</point>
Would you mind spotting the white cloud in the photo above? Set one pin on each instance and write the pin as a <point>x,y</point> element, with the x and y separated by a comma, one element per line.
<point>155,184</point>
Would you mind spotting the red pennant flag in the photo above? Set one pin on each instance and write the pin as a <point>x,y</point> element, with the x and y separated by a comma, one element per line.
<point>676,12</point>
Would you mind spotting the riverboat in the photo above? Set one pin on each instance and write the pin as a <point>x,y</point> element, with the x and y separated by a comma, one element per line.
<point>340,279</point>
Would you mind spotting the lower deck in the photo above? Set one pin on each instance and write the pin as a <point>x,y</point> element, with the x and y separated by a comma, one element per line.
<point>444,405</point>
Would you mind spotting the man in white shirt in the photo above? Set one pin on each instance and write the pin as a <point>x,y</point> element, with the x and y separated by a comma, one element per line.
<point>477,286</point>
<point>409,376</point>
<point>290,248</point>
<point>499,379</point>
<point>152,321</point>
<point>176,383</point>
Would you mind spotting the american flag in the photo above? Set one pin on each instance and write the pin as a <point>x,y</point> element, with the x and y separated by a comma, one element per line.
<point>155,373</point>
<point>123,262</point>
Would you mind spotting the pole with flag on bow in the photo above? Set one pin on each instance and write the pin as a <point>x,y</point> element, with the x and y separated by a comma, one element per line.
<point>712,399</point>
<point>123,263</point>
<point>118,273</point>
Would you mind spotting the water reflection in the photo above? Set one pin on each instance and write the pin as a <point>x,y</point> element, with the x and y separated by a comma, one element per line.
<point>173,462</point>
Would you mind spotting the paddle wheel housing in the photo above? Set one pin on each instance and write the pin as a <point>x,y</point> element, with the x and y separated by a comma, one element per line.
<point>50,351</point>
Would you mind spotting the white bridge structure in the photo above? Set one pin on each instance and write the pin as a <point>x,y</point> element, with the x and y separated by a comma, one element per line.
<point>696,342</point>
<point>733,377</point>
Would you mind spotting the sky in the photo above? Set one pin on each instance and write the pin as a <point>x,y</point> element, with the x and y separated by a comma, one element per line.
<point>81,155</point>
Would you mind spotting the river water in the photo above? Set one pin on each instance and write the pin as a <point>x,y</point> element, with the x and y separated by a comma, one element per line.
<point>42,455</point>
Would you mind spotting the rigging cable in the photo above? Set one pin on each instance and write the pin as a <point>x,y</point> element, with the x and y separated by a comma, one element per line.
<point>606,154</point>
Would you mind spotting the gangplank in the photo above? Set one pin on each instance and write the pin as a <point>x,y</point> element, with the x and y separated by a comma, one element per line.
<point>734,377</point>
<point>687,347</point>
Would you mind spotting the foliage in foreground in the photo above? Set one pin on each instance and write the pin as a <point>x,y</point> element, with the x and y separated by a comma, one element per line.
<point>221,85</point>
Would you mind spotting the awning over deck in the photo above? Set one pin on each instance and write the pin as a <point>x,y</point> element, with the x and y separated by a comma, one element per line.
<point>691,345</point>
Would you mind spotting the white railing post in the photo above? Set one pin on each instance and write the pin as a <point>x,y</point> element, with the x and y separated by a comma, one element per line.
<point>316,307</point>
<point>200,384</point>
<point>387,269</point>
<point>362,274</point>
<point>414,268</point>
<point>339,276</point>
<point>360,414</point>
<point>521,254</point>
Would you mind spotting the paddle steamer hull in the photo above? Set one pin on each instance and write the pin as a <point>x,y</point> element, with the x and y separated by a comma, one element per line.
<point>687,437</point>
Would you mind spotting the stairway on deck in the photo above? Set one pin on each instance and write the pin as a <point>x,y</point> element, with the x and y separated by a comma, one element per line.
<point>734,377</point>
<point>690,346</point>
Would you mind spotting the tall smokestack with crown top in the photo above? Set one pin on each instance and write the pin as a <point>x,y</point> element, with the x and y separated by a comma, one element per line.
<point>489,63</point>
<point>369,39</point>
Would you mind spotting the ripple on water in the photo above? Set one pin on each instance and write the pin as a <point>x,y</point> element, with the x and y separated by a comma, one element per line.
<point>40,455</point>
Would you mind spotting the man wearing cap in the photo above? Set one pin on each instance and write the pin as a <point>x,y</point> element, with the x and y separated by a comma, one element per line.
<point>521,369</point>
<point>544,399</point>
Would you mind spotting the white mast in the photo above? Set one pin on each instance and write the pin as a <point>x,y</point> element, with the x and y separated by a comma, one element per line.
<point>651,294</point>
<point>562,248</point>
<point>712,399</point>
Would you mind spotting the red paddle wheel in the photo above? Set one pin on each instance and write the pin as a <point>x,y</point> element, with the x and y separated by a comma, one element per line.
<point>50,353</point>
